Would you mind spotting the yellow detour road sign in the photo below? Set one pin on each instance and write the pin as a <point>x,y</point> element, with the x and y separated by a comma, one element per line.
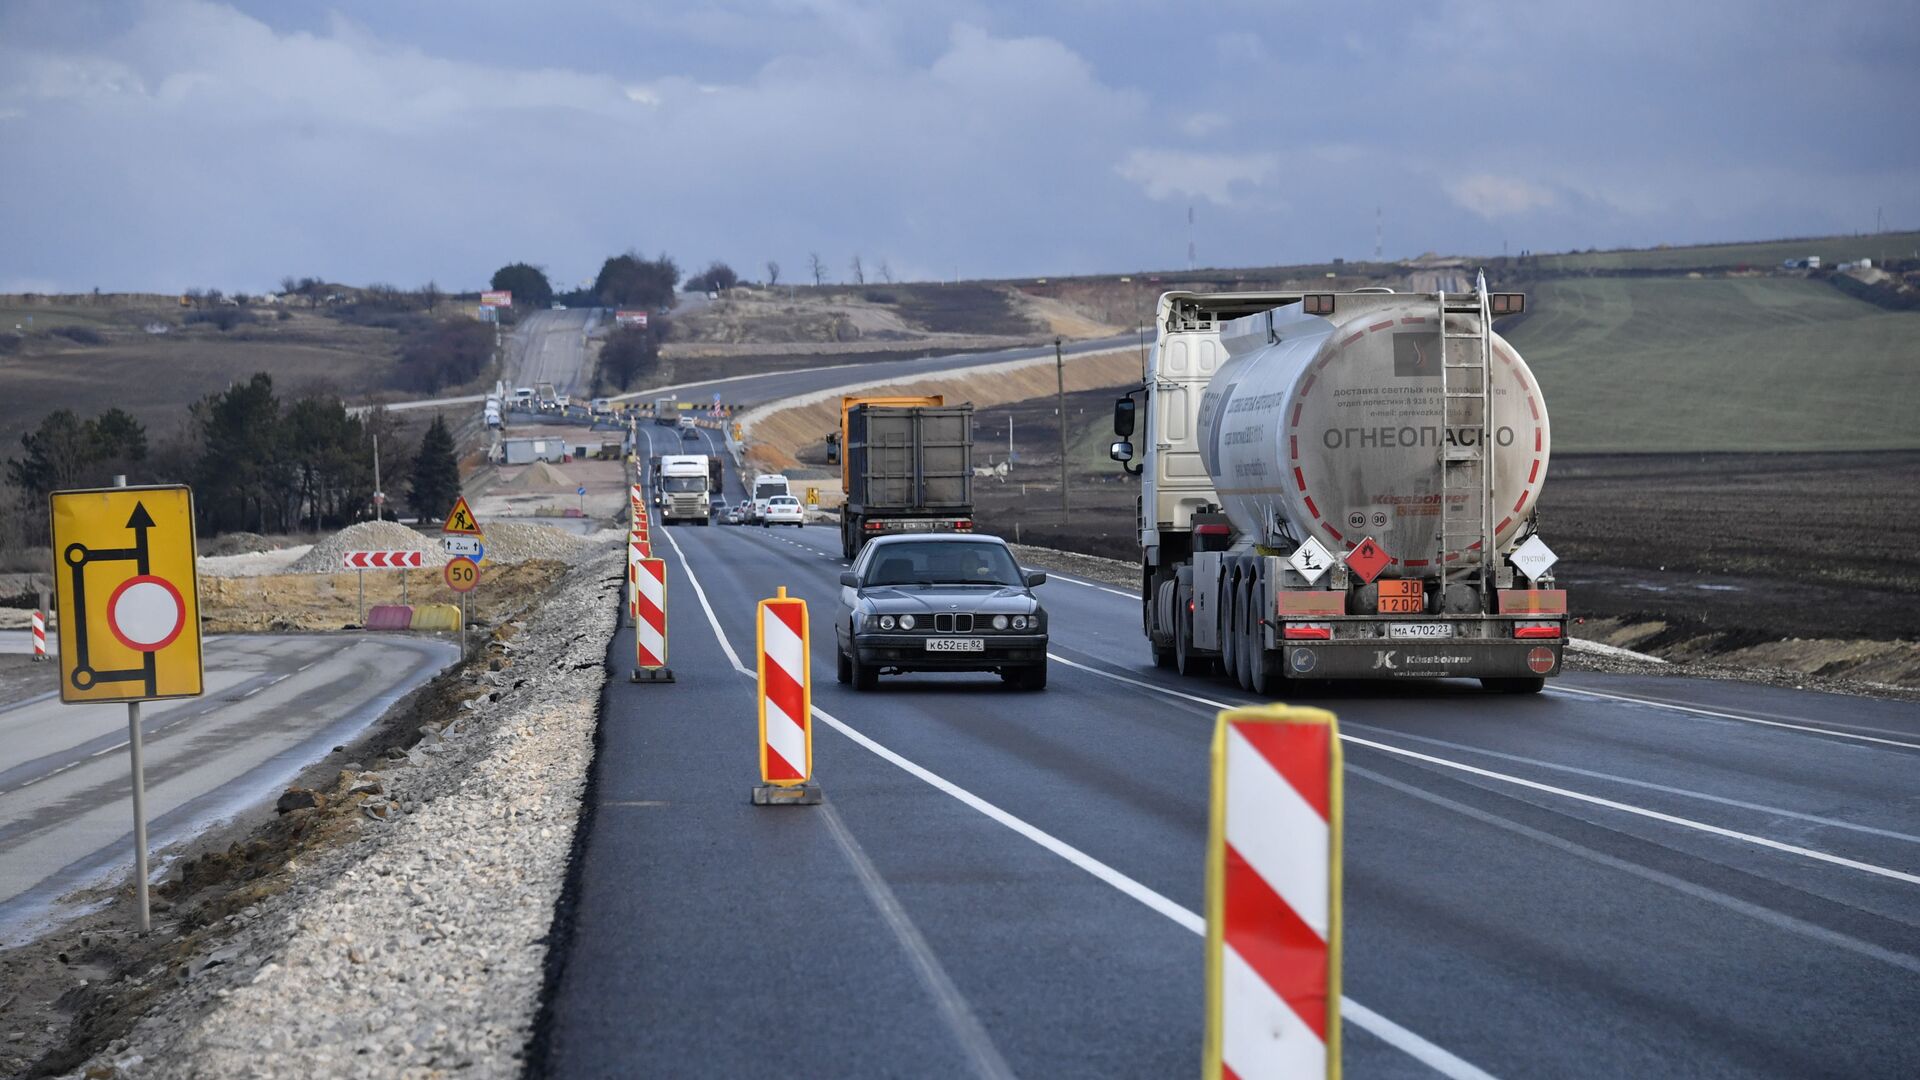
<point>813,496</point>
<point>461,520</point>
<point>128,602</point>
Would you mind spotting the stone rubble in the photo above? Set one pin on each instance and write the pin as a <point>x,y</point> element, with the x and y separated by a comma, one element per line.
<point>416,949</point>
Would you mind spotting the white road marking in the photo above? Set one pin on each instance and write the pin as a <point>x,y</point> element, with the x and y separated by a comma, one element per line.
<point>1435,1058</point>
<point>1717,714</point>
<point>1776,919</point>
<point>1051,576</point>
<point>1833,823</point>
<point>961,1021</point>
<point>1565,793</point>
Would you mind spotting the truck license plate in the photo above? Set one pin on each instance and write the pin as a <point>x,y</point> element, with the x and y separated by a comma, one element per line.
<point>1403,630</point>
<point>956,644</point>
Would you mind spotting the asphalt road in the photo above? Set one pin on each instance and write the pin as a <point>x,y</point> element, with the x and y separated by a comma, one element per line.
<point>273,705</point>
<point>1621,877</point>
<point>550,346</point>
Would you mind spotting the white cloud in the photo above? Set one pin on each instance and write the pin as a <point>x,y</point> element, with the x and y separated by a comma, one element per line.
<point>1493,196</point>
<point>1222,179</point>
<point>1202,124</point>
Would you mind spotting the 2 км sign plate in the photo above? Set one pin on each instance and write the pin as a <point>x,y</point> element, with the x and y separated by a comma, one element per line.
<point>128,601</point>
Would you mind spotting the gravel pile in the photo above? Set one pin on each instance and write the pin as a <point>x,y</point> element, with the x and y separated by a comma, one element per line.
<point>517,541</point>
<point>252,563</point>
<point>324,557</point>
<point>418,948</point>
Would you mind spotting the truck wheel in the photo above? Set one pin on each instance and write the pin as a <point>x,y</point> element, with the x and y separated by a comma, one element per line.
<point>1229,634</point>
<point>1260,677</point>
<point>1243,639</point>
<point>1184,661</point>
<point>1513,686</point>
<point>1162,655</point>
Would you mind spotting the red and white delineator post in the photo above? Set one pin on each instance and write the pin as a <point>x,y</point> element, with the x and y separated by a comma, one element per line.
<point>39,634</point>
<point>650,621</point>
<point>786,704</point>
<point>1273,895</point>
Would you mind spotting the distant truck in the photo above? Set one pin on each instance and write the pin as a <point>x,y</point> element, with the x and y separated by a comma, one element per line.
<point>684,482</point>
<point>906,465</point>
<point>545,396</point>
<point>666,411</point>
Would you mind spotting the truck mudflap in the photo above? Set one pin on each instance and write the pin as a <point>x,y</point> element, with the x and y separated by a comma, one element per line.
<point>1419,660</point>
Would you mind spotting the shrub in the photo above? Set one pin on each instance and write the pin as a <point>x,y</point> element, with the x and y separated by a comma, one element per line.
<point>80,335</point>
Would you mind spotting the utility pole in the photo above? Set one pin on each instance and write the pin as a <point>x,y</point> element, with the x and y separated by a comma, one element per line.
<point>1060,392</point>
<point>379,497</point>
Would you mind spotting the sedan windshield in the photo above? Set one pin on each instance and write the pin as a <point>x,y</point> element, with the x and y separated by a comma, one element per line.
<point>957,562</point>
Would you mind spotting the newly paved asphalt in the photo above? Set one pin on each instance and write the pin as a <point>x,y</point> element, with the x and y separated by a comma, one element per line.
<point>1622,877</point>
<point>273,705</point>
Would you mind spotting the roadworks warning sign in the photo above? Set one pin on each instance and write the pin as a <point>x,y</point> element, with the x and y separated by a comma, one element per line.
<point>461,521</point>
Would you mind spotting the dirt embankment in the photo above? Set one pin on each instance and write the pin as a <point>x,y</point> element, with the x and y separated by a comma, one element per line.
<point>777,436</point>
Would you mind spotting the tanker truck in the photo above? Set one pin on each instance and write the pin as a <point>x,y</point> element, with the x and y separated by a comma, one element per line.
<point>1343,486</point>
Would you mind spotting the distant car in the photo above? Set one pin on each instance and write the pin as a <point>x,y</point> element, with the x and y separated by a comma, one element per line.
<point>736,515</point>
<point>523,395</point>
<point>940,603</point>
<point>717,508</point>
<point>783,510</point>
<point>600,406</point>
<point>558,306</point>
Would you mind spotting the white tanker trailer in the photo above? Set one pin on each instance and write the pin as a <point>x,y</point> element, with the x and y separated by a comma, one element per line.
<point>1342,486</point>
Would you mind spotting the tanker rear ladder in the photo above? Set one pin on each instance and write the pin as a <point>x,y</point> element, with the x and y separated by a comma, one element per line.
<point>1466,467</point>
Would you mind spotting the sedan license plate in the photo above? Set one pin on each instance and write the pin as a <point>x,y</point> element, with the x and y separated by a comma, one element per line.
<point>1404,630</point>
<point>956,644</point>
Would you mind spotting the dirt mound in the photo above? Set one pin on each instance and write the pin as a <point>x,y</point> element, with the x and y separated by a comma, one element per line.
<point>539,477</point>
<point>324,558</point>
<point>236,543</point>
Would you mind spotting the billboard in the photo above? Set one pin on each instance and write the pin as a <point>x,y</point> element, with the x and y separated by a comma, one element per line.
<point>630,318</point>
<point>497,298</point>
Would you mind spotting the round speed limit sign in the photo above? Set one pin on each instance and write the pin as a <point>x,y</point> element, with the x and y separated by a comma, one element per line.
<point>462,574</point>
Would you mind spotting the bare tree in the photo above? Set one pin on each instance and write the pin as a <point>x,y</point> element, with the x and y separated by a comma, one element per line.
<point>430,296</point>
<point>886,272</point>
<point>196,296</point>
<point>859,274</point>
<point>773,272</point>
<point>819,268</point>
<point>288,285</point>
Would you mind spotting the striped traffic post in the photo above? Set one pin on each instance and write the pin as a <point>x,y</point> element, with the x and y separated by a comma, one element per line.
<point>39,635</point>
<point>650,621</point>
<point>786,704</point>
<point>1273,895</point>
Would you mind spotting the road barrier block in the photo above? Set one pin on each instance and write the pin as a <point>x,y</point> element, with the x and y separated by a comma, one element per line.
<point>786,704</point>
<point>39,635</point>
<point>437,617</point>
<point>1273,895</point>
<point>650,621</point>
<point>390,617</point>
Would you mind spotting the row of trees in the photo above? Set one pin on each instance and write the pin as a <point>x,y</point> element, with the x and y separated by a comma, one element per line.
<point>629,353</point>
<point>256,461</point>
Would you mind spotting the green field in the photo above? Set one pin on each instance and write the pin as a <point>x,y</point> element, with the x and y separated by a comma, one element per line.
<point>1764,255</point>
<point>1690,364</point>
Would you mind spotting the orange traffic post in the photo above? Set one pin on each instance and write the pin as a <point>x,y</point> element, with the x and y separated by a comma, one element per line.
<point>1273,895</point>
<point>786,704</point>
<point>650,622</point>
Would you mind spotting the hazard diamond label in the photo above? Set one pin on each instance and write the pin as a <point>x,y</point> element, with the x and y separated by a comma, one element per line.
<point>461,520</point>
<point>1367,559</point>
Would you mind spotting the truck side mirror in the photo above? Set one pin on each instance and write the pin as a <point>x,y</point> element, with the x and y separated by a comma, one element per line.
<point>1123,416</point>
<point>1121,451</point>
<point>833,449</point>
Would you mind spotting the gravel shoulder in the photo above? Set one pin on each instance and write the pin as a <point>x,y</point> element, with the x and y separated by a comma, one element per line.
<point>391,921</point>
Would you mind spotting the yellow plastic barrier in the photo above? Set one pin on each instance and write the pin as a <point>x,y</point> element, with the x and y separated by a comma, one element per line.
<point>436,617</point>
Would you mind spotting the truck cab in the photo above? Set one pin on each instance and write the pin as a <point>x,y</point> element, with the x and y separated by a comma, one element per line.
<point>683,489</point>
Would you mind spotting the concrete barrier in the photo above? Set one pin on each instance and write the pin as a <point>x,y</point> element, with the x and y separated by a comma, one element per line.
<point>436,617</point>
<point>390,617</point>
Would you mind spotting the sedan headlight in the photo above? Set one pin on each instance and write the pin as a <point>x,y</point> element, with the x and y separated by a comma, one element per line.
<point>1000,622</point>
<point>906,622</point>
<point>886,622</point>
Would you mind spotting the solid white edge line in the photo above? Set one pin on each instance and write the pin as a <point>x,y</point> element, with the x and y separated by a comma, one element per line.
<point>1698,711</point>
<point>1052,576</point>
<point>1578,796</point>
<point>1435,1058</point>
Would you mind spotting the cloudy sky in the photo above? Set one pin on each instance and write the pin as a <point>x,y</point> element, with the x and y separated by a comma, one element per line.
<point>161,144</point>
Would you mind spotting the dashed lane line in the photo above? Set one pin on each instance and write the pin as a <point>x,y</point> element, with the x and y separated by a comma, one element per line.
<point>1434,1057</point>
<point>1565,793</point>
